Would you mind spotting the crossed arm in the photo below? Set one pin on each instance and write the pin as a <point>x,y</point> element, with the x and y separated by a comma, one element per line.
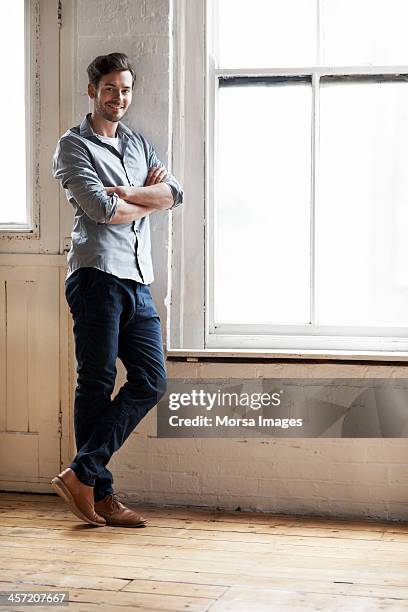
<point>73,166</point>
<point>137,202</point>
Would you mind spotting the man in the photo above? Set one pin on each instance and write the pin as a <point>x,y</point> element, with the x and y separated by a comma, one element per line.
<point>114,181</point>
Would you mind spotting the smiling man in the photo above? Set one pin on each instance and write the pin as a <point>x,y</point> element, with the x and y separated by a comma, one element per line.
<point>114,181</point>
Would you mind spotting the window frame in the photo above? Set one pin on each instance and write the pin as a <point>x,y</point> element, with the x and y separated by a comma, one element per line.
<point>192,323</point>
<point>31,26</point>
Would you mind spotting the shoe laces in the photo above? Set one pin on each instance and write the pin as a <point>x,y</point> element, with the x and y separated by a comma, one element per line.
<point>117,497</point>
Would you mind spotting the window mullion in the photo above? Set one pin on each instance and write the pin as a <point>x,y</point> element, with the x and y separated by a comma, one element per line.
<point>320,33</point>
<point>313,195</point>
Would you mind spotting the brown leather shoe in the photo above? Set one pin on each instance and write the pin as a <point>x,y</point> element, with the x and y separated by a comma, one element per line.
<point>78,496</point>
<point>117,514</point>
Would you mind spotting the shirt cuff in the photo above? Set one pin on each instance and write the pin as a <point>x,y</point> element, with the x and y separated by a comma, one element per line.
<point>177,195</point>
<point>110,208</point>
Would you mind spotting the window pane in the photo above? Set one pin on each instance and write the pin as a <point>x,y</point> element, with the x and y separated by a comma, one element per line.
<point>266,33</point>
<point>12,110</point>
<point>365,32</point>
<point>362,216</point>
<point>262,204</point>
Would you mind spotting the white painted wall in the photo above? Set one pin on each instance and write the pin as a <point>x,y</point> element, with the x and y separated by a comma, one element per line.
<point>323,476</point>
<point>139,28</point>
<point>333,477</point>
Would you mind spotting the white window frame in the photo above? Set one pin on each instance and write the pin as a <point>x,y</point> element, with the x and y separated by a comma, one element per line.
<point>31,26</point>
<point>42,35</point>
<point>192,323</point>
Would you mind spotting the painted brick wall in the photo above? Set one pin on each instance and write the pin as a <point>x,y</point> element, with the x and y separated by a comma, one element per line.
<point>333,477</point>
<point>326,476</point>
<point>139,28</point>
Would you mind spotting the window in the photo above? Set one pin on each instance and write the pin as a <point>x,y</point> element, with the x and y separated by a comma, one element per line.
<point>33,44</point>
<point>15,112</point>
<point>306,199</point>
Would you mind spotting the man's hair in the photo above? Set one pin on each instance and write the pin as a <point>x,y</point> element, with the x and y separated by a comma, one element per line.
<point>105,64</point>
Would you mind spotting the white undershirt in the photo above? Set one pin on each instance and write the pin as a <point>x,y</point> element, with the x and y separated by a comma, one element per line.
<point>114,142</point>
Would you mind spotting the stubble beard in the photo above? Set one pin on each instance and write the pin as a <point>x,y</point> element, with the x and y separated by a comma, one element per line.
<point>108,114</point>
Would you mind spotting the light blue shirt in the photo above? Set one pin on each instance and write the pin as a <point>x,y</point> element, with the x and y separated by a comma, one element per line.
<point>85,165</point>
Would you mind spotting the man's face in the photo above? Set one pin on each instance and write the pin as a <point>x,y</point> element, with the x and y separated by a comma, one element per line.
<point>113,95</point>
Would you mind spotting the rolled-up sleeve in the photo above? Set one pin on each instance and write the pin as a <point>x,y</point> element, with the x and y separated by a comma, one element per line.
<point>72,165</point>
<point>172,182</point>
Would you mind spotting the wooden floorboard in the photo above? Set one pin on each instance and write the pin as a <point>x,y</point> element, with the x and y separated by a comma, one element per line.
<point>200,559</point>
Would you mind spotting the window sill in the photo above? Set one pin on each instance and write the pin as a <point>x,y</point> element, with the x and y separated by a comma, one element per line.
<point>15,231</point>
<point>283,355</point>
<point>13,227</point>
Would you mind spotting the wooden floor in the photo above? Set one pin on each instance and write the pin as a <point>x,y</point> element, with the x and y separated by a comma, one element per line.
<point>197,560</point>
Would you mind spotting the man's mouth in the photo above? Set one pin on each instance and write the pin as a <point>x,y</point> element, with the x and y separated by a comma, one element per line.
<point>115,107</point>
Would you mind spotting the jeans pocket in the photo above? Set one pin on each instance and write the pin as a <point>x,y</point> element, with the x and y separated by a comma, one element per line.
<point>143,295</point>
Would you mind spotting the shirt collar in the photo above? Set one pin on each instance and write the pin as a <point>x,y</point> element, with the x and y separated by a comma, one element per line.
<point>85,129</point>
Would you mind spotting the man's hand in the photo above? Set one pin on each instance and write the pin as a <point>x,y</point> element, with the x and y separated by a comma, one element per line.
<point>122,191</point>
<point>157,174</point>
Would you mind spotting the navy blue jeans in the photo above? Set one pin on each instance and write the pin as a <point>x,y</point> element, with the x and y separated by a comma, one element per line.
<point>113,317</point>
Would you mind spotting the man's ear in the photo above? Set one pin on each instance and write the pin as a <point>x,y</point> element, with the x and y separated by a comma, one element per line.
<point>91,90</point>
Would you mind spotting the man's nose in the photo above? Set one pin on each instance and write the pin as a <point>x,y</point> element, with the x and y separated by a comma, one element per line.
<point>118,96</point>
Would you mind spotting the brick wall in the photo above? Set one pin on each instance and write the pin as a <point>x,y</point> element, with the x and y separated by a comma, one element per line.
<point>139,28</point>
<point>333,477</point>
